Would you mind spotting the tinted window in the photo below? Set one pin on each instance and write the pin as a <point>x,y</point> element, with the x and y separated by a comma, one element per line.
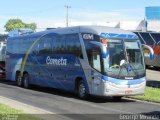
<point>45,44</point>
<point>156,37</point>
<point>58,44</point>
<point>18,45</point>
<point>138,34</point>
<point>93,52</point>
<point>147,38</point>
<point>73,45</point>
<point>35,49</point>
<point>25,45</point>
<point>96,59</point>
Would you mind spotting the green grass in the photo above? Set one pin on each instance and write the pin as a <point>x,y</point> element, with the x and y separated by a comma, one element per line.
<point>8,113</point>
<point>151,95</point>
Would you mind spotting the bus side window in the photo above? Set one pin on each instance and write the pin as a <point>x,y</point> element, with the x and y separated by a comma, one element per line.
<point>96,61</point>
<point>58,45</point>
<point>45,44</point>
<point>35,50</point>
<point>54,46</point>
<point>48,45</point>
<point>62,44</point>
<point>41,45</point>
<point>73,45</point>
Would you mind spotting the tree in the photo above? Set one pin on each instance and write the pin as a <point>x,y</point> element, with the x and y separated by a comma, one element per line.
<point>18,23</point>
<point>33,26</point>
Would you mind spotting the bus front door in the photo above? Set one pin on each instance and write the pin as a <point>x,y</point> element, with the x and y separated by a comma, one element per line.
<point>96,72</point>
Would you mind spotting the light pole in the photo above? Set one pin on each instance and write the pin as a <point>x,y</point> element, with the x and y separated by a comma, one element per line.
<point>67,7</point>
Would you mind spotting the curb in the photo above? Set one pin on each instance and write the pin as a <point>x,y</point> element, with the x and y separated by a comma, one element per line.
<point>148,102</point>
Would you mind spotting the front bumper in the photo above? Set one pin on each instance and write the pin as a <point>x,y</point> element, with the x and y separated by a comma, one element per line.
<point>123,88</point>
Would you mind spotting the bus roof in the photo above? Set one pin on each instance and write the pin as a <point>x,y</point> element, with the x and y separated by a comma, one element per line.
<point>100,30</point>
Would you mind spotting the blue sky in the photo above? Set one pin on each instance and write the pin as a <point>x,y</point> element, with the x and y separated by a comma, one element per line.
<point>49,13</point>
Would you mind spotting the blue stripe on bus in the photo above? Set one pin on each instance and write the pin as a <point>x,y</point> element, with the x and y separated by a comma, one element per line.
<point>114,35</point>
<point>124,82</point>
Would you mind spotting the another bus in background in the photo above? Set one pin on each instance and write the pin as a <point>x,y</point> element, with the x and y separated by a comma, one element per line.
<point>2,55</point>
<point>151,39</point>
<point>20,31</point>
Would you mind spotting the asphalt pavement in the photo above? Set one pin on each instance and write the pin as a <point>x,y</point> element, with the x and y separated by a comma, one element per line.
<point>62,105</point>
<point>69,105</point>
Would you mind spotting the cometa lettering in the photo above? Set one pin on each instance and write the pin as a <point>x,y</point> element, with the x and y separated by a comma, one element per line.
<point>51,61</point>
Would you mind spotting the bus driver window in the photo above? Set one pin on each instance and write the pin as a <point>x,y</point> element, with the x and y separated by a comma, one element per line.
<point>117,58</point>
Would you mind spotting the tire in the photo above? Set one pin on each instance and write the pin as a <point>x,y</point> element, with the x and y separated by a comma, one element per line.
<point>19,80</point>
<point>147,66</point>
<point>117,98</point>
<point>26,81</point>
<point>157,68</point>
<point>81,90</point>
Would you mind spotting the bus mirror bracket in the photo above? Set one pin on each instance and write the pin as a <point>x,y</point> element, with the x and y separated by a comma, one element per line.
<point>151,51</point>
<point>102,47</point>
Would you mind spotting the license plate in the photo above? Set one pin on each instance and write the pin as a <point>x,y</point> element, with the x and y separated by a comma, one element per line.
<point>128,92</point>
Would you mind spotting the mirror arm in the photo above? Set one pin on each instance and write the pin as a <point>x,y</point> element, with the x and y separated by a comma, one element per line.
<point>103,48</point>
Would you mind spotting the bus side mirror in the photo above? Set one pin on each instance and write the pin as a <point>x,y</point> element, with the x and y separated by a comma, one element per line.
<point>102,47</point>
<point>150,50</point>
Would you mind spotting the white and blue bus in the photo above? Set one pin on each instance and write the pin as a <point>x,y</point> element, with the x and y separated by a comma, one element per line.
<point>92,60</point>
<point>151,39</point>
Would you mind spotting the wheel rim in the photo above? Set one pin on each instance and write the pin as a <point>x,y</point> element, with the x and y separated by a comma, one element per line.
<point>19,80</point>
<point>25,81</point>
<point>81,90</point>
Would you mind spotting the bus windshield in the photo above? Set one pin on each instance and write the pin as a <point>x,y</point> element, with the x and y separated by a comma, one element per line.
<point>124,58</point>
<point>134,54</point>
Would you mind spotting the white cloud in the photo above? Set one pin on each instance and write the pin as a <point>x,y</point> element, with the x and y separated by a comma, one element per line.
<point>121,14</point>
<point>95,15</point>
<point>141,10</point>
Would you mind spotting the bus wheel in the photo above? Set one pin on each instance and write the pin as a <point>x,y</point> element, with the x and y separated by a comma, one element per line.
<point>26,80</point>
<point>82,90</point>
<point>18,79</point>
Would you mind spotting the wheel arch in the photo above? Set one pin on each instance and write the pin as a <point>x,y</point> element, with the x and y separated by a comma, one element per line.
<point>77,80</point>
<point>18,71</point>
<point>25,72</point>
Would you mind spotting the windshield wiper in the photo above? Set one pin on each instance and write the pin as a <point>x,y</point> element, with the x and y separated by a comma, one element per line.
<point>128,67</point>
<point>120,71</point>
<point>124,64</point>
<point>134,69</point>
